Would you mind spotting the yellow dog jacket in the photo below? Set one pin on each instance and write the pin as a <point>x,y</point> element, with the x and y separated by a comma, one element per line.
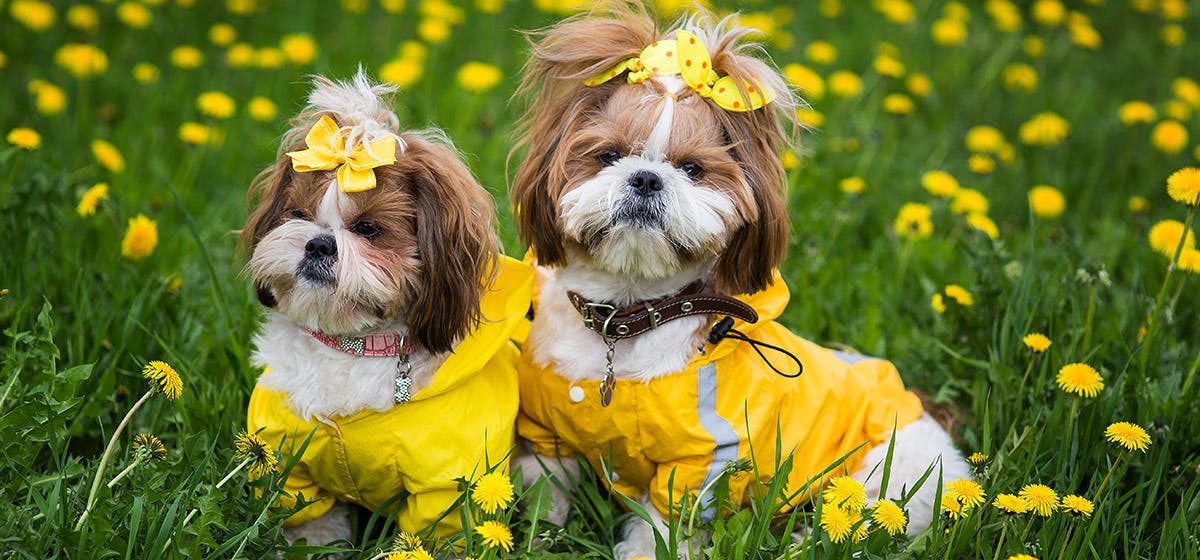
<point>450,429</point>
<point>689,424</point>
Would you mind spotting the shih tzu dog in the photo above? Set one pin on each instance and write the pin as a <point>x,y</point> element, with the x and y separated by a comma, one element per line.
<point>653,195</point>
<point>389,312</point>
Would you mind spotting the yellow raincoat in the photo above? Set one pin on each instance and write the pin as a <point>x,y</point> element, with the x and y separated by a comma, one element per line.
<point>453,428</point>
<point>689,424</point>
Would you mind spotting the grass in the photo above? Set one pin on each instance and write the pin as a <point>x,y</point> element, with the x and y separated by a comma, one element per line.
<point>80,320</point>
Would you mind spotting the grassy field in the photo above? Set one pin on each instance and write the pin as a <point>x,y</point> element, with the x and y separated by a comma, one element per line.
<point>943,273</point>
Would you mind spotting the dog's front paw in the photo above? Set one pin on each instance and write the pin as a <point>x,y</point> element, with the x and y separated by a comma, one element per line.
<point>330,528</point>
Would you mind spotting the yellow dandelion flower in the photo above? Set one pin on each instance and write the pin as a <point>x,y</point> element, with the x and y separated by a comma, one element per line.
<point>1166,235</point>
<point>253,450</point>
<point>789,159</point>
<point>1173,9</point>
<point>960,295</point>
<point>938,303</point>
<point>478,77</point>
<point>913,221</point>
<point>195,133</point>
<point>1006,16</point>
<point>261,109</point>
<point>977,459</point>
<point>1021,557</point>
<point>1042,499</point>
<point>1080,379</point>
<point>981,164</point>
<point>1133,112</point>
<point>810,83</point>
<point>1085,36</point>
<point>145,73</point>
<point>810,117</point>
<point>91,200</point>
<point>495,535</point>
<point>969,492</point>
<point>186,57</point>
<point>1187,91</point>
<point>1169,137</point>
<point>821,52</point>
<point>1033,46</point>
<point>836,522</point>
<point>953,506</point>
<point>845,492</point>
<point>433,30</point>
<point>948,32</point>
<point>1046,201</point>
<point>216,104</point>
<point>406,541</point>
<point>492,491</point>
<point>1128,435</point>
<point>141,237</point>
<point>299,48</point>
<point>108,156</point>
<point>896,11</point>
<point>1172,35</point>
<point>1176,110</point>
<point>1011,504</point>
<point>889,516</point>
<point>1189,261</point>
<point>969,201</point>
<point>24,138</point>
<point>49,98</point>
<point>240,55</point>
<point>35,15</point>
<point>83,17</point>
<point>939,183</point>
<point>1184,186</point>
<point>81,59</point>
<point>919,84</point>
<point>1077,505</point>
<point>1037,342</point>
<point>134,15</point>
<point>222,34</point>
<point>844,83</point>
<point>3,59</point>
<point>489,6</point>
<point>1019,76</point>
<point>241,7</point>
<point>887,65</point>
<point>984,139</point>
<point>1044,129</point>
<point>898,104</point>
<point>956,11</point>
<point>1050,13</point>
<point>1139,204</point>
<point>860,529</point>
<point>402,71</point>
<point>852,185</point>
<point>163,379</point>
<point>149,446</point>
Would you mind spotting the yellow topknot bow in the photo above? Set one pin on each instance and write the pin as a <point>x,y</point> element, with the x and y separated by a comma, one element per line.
<point>327,149</point>
<point>687,57</point>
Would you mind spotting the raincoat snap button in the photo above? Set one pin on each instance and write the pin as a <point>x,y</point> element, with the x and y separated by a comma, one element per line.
<point>576,394</point>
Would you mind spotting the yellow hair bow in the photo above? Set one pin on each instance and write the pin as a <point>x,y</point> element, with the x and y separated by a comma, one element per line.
<point>687,57</point>
<point>327,149</point>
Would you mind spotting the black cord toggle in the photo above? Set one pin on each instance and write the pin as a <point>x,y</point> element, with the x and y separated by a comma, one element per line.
<point>724,329</point>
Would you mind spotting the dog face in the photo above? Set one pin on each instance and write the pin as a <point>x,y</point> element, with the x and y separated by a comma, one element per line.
<point>412,250</point>
<point>648,179</point>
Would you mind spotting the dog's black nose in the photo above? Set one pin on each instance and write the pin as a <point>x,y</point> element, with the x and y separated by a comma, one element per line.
<point>646,182</point>
<point>320,246</point>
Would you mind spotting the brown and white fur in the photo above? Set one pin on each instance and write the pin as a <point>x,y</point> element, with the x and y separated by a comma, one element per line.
<point>715,209</point>
<point>404,257</point>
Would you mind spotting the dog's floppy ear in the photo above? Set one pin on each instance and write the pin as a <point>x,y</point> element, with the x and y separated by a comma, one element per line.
<point>266,201</point>
<point>456,242</point>
<point>561,58</point>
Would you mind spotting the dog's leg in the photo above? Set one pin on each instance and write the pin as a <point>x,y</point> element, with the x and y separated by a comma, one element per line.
<point>637,536</point>
<point>563,473</point>
<point>331,527</point>
<point>918,445</point>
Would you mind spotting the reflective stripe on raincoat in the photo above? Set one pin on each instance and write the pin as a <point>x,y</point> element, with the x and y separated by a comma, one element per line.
<point>689,424</point>
<point>451,429</point>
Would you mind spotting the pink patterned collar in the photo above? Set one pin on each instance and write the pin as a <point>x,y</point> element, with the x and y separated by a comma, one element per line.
<point>378,345</point>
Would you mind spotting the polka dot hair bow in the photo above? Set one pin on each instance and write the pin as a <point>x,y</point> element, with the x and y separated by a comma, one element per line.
<point>686,56</point>
<point>355,165</point>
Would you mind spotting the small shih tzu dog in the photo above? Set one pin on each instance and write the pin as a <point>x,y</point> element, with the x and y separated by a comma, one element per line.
<point>654,197</point>
<point>389,315</point>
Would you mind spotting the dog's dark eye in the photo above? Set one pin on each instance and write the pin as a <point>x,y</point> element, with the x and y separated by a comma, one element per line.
<point>692,169</point>
<point>366,228</point>
<point>297,214</point>
<point>610,157</point>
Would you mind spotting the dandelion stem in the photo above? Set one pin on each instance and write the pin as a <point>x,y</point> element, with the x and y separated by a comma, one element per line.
<point>1000,543</point>
<point>1066,540</point>
<point>1152,327</point>
<point>112,443</point>
<point>1087,321</point>
<point>129,469</point>
<point>1100,490</point>
<point>1187,380</point>
<point>236,469</point>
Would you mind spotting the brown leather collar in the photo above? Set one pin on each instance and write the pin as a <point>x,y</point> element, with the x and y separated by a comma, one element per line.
<point>615,323</point>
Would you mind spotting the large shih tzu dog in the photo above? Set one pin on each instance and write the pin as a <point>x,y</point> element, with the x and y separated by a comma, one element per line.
<point>389,314</point>
<point>653,195</point>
